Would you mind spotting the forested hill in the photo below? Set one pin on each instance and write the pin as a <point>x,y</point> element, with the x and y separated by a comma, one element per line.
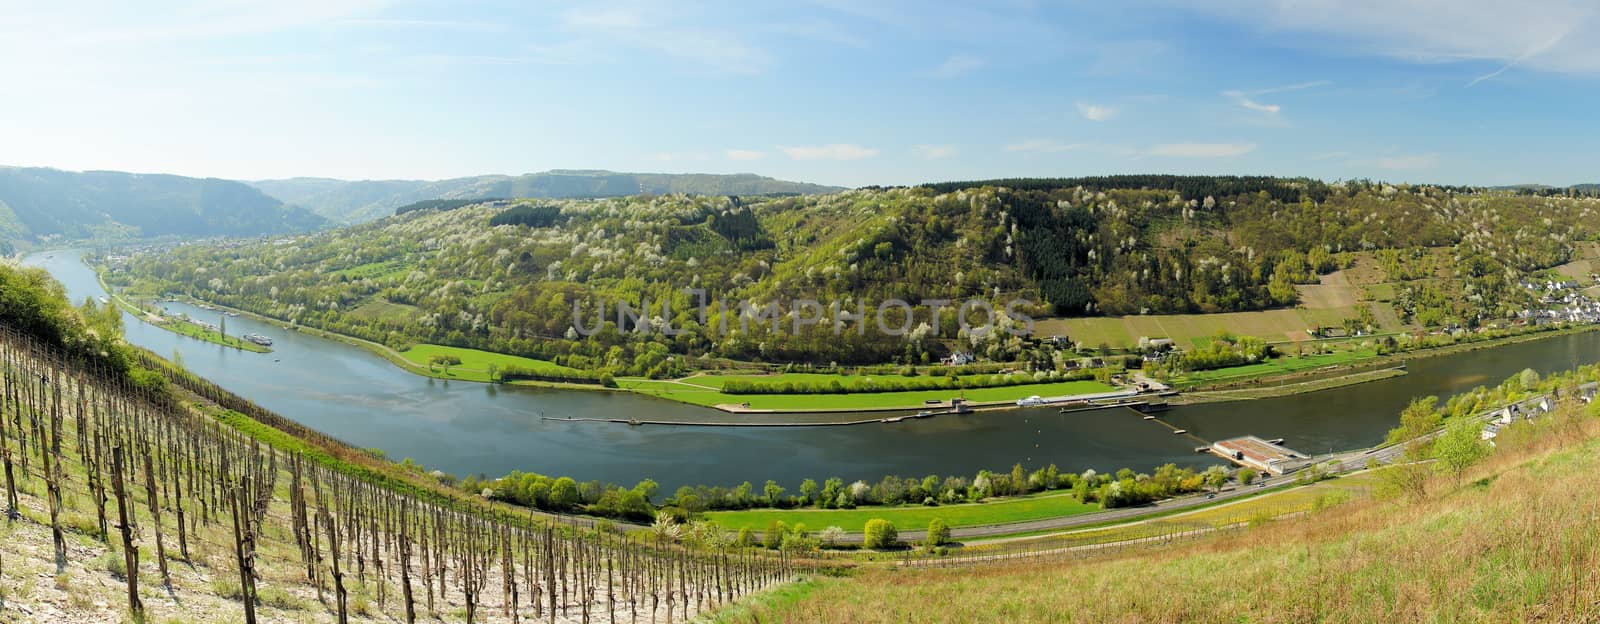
<point>506,278</point>
<point>39,203</point>
<point>361,201</point>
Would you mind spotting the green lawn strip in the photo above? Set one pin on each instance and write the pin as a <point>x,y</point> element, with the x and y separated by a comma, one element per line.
<point>1286,364</point>
<point>911,399</point>
<point>759,606</point>
<point>191,330</point>
<point>474,364</point>
<point>1195,513</point>
<point>717,381</point>
<point>181,327</point>
<point>909,517</point>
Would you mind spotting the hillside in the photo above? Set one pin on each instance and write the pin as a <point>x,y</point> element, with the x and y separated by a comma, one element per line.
<point>1509,540</point>
<point>1429,258</point>
<point>38,203</point>
<point>365,200</point>
<point>148,494</point>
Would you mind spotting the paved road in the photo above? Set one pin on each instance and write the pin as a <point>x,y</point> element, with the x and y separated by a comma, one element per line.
<point>1098,517</point>
<point>1347,461</point>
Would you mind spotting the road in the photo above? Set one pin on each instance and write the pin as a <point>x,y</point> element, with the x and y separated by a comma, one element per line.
<point>1098,517</point>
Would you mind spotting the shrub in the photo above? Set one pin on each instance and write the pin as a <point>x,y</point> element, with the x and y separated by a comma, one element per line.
<point>1248,476</point>
<point>773,537</point>
<point>115,565</point>
<point>938,533</point>
<point>881,534</point>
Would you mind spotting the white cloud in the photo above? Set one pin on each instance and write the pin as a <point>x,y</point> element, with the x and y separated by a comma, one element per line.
<point>744,154</point>
<point>956,65</point>
<point>833,151</point>
<point>1044,146</point>
<point>934,152</point>
<point>1270,109</point>
<point>1202,150</point>
<point>1536,34</point>
<point>1096,112</point>
<point>1247,99</point>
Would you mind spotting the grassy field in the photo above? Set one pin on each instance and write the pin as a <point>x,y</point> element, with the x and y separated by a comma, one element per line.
<point>1190,330</point>
<point>195,331</point>
<point>1341,295</point>
<point>1054,505</point>
<point>1470,550</point>
<point>1255,509</point>
<point>374,270</point>
<point>380,310</point>
<point>698,394</point>
<point>184,328</point>
<point>1277,366</point>
<point>475,364</point>
<point>1266,392</point>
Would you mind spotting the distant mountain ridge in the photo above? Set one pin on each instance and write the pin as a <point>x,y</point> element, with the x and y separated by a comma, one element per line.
<point>366,200</point>
<point>1546,188</point>
<point>37,203</point>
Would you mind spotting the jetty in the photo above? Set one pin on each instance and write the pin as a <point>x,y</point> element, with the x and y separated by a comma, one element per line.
<point>1269,456</point>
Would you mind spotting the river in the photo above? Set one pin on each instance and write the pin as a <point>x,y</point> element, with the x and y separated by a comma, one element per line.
<point>470,428</point>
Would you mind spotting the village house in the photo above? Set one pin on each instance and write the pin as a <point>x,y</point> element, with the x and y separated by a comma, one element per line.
<point>959,358</point>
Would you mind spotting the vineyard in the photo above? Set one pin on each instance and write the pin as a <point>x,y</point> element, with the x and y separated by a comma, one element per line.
<point>172,489</point>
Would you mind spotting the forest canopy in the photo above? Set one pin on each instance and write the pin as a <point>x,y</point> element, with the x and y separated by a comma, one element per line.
<point>1117,245</point>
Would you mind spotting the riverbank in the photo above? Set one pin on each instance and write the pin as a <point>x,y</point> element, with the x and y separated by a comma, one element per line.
<point>1352,372</point>
<point>1329,383</point>
<point>1268,383</point>
<point>180,326</point>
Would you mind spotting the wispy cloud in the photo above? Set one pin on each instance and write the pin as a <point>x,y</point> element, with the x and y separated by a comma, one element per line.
<point>956,65</point>
<point>1044,146</point>
<point>241,17</point>
<point>820,30</point>
<point>1528,33</point>
<point>1404,162</point>
<point>1249,101</point>
<point>659,31</point>
<point>933,152</point>
<point>1096,112</point>
<point>1532,52</point>
<point>832,151</point>
<point>1202,150</point>
<point>744,154</point>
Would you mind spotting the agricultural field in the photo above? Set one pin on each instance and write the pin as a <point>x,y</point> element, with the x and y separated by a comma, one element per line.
<point>1191,330</point>
<point>687,391</point>
<point>373,270</point>
<point>1586,262</point>
<point>381,310</point>
<point>475,364</point>
<point>1340,296</point>
<point>1051,505</point>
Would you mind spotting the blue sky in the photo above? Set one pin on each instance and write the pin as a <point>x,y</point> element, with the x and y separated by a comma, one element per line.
<point>848,93</point>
